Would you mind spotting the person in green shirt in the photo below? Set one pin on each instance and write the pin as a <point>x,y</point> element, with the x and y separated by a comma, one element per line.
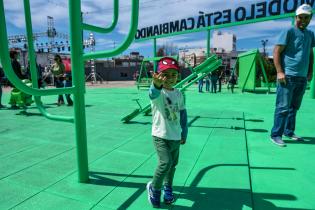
<point>58,70</point>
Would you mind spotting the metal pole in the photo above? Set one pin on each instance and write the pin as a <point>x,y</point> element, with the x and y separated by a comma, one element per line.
<point>79,83</point>
<point>312,86</point>
<point>92,61</point>
<point>208,43</point>
<point>154,54</point>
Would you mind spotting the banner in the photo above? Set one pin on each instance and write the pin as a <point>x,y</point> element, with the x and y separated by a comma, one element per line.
<point>254,11</point>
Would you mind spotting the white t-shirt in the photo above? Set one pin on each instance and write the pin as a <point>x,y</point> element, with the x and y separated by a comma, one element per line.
<point>166,114</point>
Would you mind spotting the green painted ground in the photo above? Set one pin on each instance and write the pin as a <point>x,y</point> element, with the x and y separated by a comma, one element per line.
<point>227,163</point>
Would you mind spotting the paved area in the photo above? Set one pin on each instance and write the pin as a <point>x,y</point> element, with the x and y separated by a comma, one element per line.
<point>227,163</point>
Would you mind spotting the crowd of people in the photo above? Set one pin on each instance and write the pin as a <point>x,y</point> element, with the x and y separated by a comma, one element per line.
<point>59,74</point>
<point>214,80</point>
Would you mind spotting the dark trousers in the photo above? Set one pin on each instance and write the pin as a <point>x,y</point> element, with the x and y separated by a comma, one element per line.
<point>168,153</point>
<point>288,102</point>
<point>200,85</point>
<point>59,84</point>
<point>68,83</point>
<point>214,85</point>
<point>220,84</point>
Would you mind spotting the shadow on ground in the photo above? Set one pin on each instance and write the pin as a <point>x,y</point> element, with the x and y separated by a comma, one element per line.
<point>199,197</point>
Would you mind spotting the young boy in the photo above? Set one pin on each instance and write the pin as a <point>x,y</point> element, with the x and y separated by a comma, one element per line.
<point>169,128</point>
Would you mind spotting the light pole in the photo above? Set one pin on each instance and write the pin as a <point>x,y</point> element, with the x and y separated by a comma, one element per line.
<point>93,75</point>
<point>264,43</point>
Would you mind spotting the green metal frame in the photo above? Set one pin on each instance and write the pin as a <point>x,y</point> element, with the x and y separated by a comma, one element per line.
<point>77,58</point>
<point>247,70</point>
<point>189,66</point>
<point>146,83</point>
<point>140,81</point>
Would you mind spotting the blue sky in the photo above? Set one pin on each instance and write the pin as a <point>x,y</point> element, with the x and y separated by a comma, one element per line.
<point>152,12</point>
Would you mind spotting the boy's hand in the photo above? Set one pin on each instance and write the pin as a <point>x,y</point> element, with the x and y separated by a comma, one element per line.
<point>158,79</point>
<point>183,141</point>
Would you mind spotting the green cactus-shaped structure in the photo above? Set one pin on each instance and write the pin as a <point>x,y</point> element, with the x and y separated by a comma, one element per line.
<point>77,60</point>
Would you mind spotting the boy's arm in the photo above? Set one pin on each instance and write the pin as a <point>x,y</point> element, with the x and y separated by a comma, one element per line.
<point>154,92</point>
<point>184,126</point>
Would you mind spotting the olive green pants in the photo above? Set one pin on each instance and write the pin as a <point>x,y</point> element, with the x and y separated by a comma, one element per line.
<point>168,153</point>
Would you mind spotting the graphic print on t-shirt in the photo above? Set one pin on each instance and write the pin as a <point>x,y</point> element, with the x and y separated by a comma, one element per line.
<point>171,109</point>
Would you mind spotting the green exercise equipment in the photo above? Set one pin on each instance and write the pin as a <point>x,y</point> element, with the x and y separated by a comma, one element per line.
<point>248,77</point>
<point>76,28</point>
<point>19,98</point>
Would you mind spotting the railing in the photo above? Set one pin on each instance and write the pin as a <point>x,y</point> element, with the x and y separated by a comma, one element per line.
<point>77,58</point>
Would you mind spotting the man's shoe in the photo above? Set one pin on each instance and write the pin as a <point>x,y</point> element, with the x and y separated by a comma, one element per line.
<point>295,137</point>
<point>277,140</point>
<point>168,195</point>
<point>154,196</point>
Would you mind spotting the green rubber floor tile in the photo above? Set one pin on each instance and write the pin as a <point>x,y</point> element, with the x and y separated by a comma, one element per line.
<point>213,198</point>
<point>139,147</point>
<point>49,201</point>
<point>127,196</point>
<point>283,188</point>
<point>225,132</point>
<point>46,173</point>
<point>96,152</point>
<point>219,176</point>
<point>131,193</point>
<point>11,194</point>
<point>119,162</point>
<point>28,158</point>
<point>99,185</point>
<point>12,146</point>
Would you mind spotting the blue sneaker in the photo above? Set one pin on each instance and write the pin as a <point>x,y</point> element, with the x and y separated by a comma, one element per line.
<point>168,195</point>
<point>154,196</point>
<point>277,140</point>
<point>295,137</point>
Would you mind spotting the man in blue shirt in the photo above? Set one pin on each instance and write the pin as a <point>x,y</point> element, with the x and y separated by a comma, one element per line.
<point>293,59</point>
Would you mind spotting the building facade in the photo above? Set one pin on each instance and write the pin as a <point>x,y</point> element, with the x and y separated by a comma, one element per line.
<point>223,40</point>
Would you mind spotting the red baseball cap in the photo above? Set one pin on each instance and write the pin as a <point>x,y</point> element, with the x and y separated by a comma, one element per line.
<point>166,63</point>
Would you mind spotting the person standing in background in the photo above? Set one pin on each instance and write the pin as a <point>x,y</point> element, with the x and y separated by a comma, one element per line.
<point>68,79</point>
<point>58,70</point>
<point>293,59</point>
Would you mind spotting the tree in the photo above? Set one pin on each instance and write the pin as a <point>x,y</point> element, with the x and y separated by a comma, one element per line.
<point>167,49</point>
<point>160,52</point>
